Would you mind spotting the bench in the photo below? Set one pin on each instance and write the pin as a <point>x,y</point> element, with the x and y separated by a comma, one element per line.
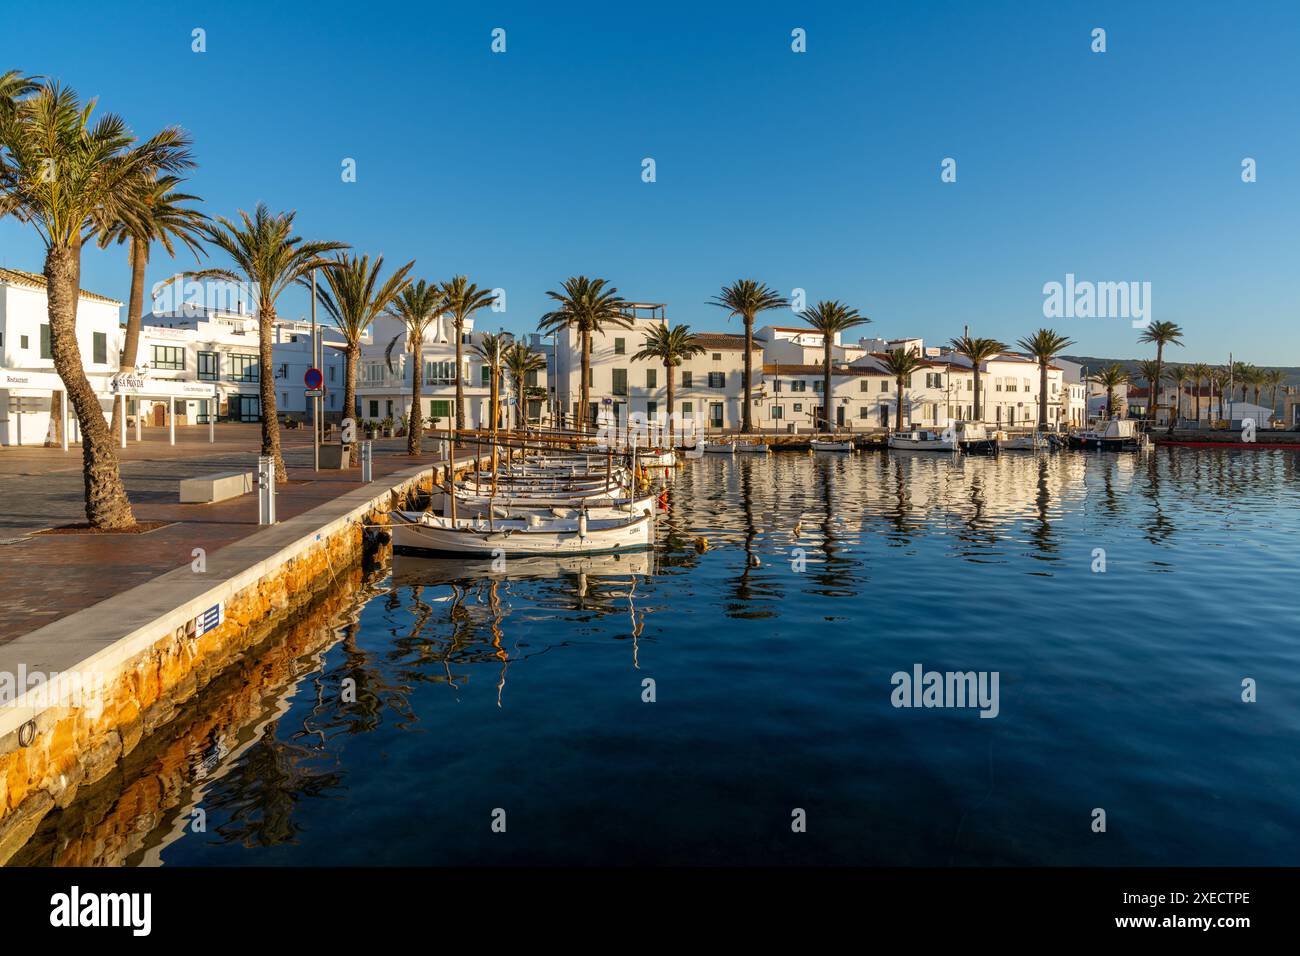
<point>216,487</point>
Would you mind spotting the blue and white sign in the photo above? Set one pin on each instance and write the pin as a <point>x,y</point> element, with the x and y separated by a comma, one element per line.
<point>209,620</point>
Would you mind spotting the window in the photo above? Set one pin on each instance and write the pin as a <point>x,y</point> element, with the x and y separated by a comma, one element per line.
<point>687,408</point>
<point>652,409</point>
<point>169,357</point>
<point>374,408</point>
<point>208,366</point>
<point>485,375</point>
<point>45,342</point>
<point>332,370</point>
<point>652,378</point>
<point>530,378</point>
<point>686,378</point>
<point>864,386</point>
<point>717,356</point>
<point>620,381</point>
<point>717,380</point>
<point>778,411</point>
<point>23,343</point>
<point>439,408</point>
<point>884,384</point>
<point>798,406</point>
<point>817,386</point>
<point>864,411</point>
<point>798,385</point>
<point>934,380</point>
<point>243,367</point>
<point>99,348</point>
<point>620,346</point>
<point>439,373</point>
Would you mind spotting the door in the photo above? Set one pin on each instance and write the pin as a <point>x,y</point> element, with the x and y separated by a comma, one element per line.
<point>715,414</point>
<point>839,416</point>
<point>160,414</point>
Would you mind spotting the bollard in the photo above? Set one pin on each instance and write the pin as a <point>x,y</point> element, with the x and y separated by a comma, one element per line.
<point>266,490</point>
<point>367,461</point>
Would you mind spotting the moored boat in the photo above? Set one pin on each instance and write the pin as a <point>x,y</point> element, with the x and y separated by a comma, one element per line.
<point>828,444</point>
<point>1117,434</point>
<point>922,440</point>
<point>417,532</point>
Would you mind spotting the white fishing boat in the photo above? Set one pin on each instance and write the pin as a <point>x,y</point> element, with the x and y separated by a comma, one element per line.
<point>417,532</point>
<point>923,440</point>
<point>973,437</point>
<point>1031,441</point>
<point>474,506</point>
<point>720,448</point>
<point>1117,434</point>
<point>751,448</point>
<point>695,451</point>
<point>830,444</point>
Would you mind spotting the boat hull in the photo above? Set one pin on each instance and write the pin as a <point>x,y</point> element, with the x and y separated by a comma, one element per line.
<point>417,533</point>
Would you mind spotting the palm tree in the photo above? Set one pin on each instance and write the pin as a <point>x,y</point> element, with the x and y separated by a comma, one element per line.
<point>464,298</point>
<point>978,351</point>
<point>1198,372</point>
<point>417,307</point>
<point>353,296</point>
<point>1219,378</point>
<point>1111,377</point>
<point>1149,370</point>
<point>586,306</point>
<point>1273,379</point>
<point>901,364</point>
<point>1043,346</point>
<point>521,361</point>
<point>71,180</point>
<point>1176,375</point>
<point>492,349</point>
<point>164,217</point>
<point>1241,375</point>
<point>747,298</point>
<point>1162,334</point>
<point>270,258</point>
<point>1257,376</point>
<point>671,347</point>
<point>830,318</point>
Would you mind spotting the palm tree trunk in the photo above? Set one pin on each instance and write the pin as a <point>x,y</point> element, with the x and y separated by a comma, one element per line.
<point>746,424</point>
<point>107,505</point>
<point>584,395</point>
<point>1042,392</point>
<point>351,358</point>
<point>671,419</point>
<point>1110,402</point>
<point>521,412</point>
<point>1155,389</point>
<point>460,385</point>
<point>415,423</point>
<point>270,419</point>
<point>826,385</point>
<point>898,414</point>
<point>134,316</point>
<point>979,406</point>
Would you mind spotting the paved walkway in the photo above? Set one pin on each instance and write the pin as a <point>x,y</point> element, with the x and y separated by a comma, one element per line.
<point>47,577</point>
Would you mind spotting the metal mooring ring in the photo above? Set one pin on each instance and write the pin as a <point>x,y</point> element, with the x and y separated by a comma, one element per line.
<point>27,733</point>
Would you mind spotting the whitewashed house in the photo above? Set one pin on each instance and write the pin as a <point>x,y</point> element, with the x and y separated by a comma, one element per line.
<point>28,381</point>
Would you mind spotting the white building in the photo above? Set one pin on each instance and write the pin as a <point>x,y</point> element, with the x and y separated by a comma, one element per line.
<point>709,387</point>
<point>27,376</point>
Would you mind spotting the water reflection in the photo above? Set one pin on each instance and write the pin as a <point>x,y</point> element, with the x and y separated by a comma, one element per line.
<point>475,661</point>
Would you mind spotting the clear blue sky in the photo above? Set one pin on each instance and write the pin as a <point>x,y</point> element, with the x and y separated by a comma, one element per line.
<point>817,170</point>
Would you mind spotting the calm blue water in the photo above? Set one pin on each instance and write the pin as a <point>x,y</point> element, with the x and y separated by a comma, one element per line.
<point>1118,690</point>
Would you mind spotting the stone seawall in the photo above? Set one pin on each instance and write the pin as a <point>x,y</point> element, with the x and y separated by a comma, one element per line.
<point>133,659</point>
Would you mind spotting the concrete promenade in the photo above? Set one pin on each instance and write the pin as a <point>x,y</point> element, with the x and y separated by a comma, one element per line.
<point>48,577</point>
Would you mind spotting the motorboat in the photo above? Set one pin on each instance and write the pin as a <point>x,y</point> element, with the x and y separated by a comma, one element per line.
<point>1117,434</point>
<point>829,444</point>
<point>751,448</point>
<point>923,440</point>
<point>974,438</point>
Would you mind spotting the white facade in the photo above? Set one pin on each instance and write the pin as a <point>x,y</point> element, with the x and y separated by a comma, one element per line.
<point>25,354</point>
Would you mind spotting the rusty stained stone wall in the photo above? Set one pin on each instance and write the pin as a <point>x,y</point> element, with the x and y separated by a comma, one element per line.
<point>110,820</point>
<point>74,750</point>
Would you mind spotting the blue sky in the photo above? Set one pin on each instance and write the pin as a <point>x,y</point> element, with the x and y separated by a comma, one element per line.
<point>817,170</point>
